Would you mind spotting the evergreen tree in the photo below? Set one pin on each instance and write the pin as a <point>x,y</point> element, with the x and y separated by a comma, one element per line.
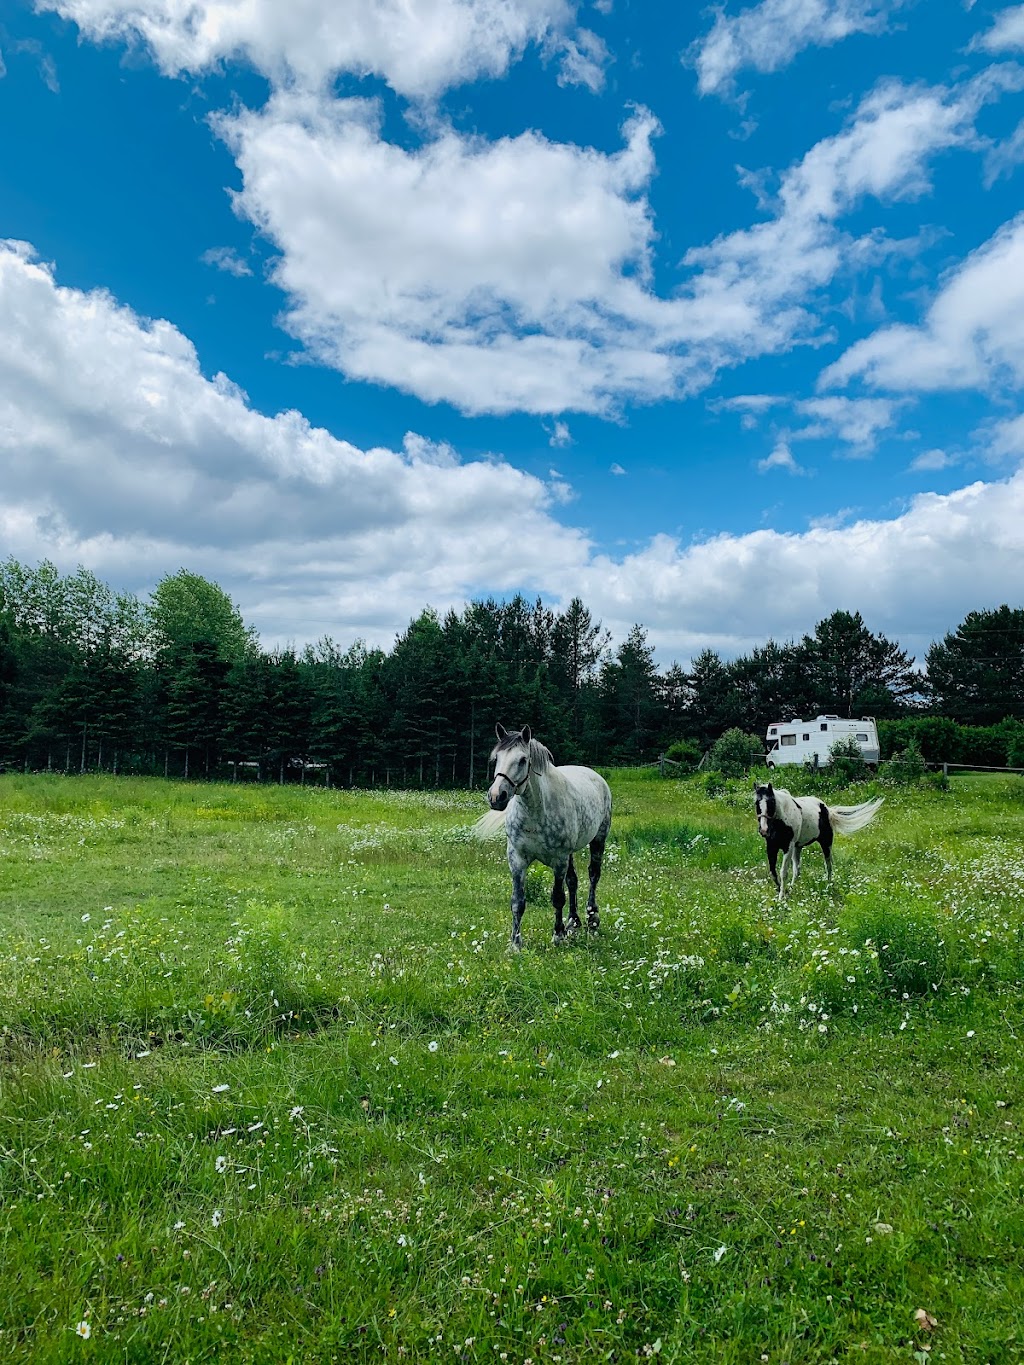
<point>976,673</point>
<point>853,672</point>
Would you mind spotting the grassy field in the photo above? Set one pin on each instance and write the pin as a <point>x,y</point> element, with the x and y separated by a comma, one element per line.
<point>273,1088</point>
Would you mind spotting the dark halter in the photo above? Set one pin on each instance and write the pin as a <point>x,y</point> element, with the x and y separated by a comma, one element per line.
<point>517,785</point>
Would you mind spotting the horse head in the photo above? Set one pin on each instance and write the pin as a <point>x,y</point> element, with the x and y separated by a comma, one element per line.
<point>764,805</point>
<point>511,767</point>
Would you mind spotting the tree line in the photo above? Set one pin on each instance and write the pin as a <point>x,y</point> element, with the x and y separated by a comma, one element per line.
<point>178,684</point>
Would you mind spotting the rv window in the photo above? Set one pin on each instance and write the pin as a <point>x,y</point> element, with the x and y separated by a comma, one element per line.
<point>863,739</point>
<point>825,726</point>
<point>806,737</point>
<point>789,739</point>
<point>773,744</point>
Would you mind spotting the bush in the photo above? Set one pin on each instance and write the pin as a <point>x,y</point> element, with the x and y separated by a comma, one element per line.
<point>1015,747</point>
<point>906,766</point>
<point>685,752</point>
<point>734,752</point>
<point>846,762</point>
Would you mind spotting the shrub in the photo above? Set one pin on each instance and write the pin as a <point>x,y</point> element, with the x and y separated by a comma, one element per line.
<point>685,752</point>
<point>845,761</point>
<point>714,783</point>
<point>735,751</point>
<point>906,766</point>
<point>1015,747</point>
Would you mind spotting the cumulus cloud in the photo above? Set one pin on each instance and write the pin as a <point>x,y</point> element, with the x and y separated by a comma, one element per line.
<point>118,453</point>
<point>769,35</point>
<point>910,576</point>
<point>516,275</point>
<point>419,47</point>
<point>499,276</point>
<point>972,336</point>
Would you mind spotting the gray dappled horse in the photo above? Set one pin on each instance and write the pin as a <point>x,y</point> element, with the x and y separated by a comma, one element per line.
<point>548,813</point>
<point>788,824</point>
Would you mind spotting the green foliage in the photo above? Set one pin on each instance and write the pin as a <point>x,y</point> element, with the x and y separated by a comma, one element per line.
<point>734,752</point>
<point>92,679</point>
<point>941,740</point>
<point>685,752</point>
<point>906,766</point>
<point>976,673</point>
<point>846,761</point>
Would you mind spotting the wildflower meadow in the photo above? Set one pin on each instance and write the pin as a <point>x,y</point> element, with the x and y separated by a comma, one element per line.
<point>273,1087</point>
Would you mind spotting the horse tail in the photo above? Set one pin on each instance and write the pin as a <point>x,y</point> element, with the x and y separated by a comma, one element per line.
<point>849,819</point>
<point>490,824</point>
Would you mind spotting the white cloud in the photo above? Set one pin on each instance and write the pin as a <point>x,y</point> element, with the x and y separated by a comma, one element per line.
<point>857,421</point>
<point>972,336</point>
<point>767,36</point>
<point>117,453</point>
<point>780,458</point>
<point>515,275</point>
<point>227,259</point>
<point>748,402</point>
<point>583,60</point>
<point>616,469</point>
<point>930,460</point>
<point>1006,438</point>
<point>756,283</point>
<point>1006,34</point>
<point>419,47</point>
<point>1004,157</point>
<point>561,436</point>
<point>495,275</point>
<point>912,577</point>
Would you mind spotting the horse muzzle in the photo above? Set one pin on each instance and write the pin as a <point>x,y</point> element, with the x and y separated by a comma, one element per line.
<point>499,798</point>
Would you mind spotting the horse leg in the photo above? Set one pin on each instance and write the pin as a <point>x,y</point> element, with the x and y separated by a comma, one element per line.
<point>795,863</point>
<point>518,902</point>
<point>596,855</point>
<point>787,858</point>
<point>773,861</point>
<point>558,901</point>
<point>572,882</point>
<point>825,837</point>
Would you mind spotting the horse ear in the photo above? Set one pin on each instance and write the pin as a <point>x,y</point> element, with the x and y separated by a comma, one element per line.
<point>526,734</point>
<point>501,732</point>
<point>771,790</point>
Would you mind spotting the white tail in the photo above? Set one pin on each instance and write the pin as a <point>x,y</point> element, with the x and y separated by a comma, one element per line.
<point>849,819</point>
<point>490,824</point>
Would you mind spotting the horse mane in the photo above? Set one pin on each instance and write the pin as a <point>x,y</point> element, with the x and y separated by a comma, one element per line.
<point>541,757</point>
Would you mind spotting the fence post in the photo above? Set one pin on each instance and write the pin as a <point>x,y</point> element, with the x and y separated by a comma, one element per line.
<point>945,770</point>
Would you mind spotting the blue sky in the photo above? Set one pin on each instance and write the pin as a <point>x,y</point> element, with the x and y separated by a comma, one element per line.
<point>713,316</point>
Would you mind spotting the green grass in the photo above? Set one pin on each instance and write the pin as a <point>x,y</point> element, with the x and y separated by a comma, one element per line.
<point>272,1086</point>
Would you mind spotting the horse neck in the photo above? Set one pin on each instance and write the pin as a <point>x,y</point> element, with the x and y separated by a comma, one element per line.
<point>786,809</point>
<point>537,792</point>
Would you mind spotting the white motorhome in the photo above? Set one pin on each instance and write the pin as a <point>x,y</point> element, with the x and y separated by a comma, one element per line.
<point>809,741</point>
